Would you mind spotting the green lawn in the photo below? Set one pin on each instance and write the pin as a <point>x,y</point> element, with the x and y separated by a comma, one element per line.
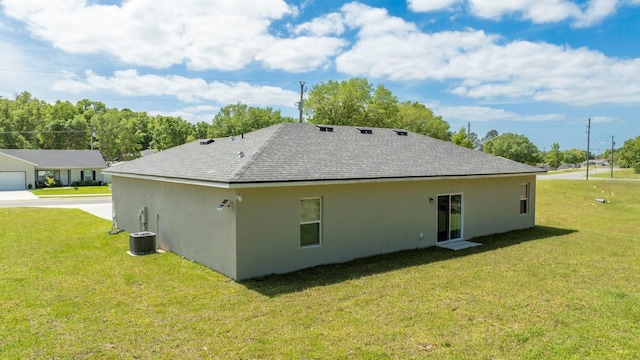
<point>67,191</point>
<point>617,174</point>
<point>568,288</point>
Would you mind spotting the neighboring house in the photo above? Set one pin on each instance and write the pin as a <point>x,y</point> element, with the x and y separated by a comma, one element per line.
<point>21,169</point>
<point>292,196</point>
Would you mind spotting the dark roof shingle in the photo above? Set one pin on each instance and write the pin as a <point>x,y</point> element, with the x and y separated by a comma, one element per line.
<point>300,152</point>
<point>59,159</point>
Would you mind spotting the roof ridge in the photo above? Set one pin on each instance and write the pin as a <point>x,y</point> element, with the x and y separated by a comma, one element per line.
<point>243,168</point>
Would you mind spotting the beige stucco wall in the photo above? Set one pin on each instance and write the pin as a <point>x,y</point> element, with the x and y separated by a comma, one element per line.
<point>184,217</point>
<point>260,234</point>
<point>366,219</point>
<point>10,164</point>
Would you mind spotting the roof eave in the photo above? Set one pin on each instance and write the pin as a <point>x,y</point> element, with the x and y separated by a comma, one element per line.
<point>19,159</point>
<point>264,184</point>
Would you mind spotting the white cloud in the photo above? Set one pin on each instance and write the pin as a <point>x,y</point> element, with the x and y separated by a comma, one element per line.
<point>480,65</point>
<point>596,11</point>
<point>222,35</point>
<point>327,25</point>
<point>536,11</point>
<point>374,21</point>
<point>484,113</point>
<point>130,83</point>
<point>429,5</point>
<point>192,113</point>
<point>300,54</point>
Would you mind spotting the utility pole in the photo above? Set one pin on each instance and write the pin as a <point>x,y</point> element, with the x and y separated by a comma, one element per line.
<point>301,102</point>
<point>469,130</point>
<point>92,133</point>
<point>588,138</point>
<point>612,144</point>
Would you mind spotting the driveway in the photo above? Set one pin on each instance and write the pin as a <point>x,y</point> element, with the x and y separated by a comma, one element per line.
<point>98,206</point>
<point>16,195</point>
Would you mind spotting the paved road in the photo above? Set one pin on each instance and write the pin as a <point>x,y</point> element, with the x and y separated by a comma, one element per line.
<point>576,175</point>
<point>98,206</point>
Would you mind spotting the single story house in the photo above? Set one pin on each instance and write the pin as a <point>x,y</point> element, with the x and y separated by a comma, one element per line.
<point>21,169</point>
<point>292,196</point>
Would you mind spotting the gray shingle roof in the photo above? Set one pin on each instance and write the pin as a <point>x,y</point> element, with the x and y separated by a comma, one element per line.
<point>60,159</point>
<point>301,152</point>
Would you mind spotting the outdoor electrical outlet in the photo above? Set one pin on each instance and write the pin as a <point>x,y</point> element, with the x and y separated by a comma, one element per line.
<point>421,235</point>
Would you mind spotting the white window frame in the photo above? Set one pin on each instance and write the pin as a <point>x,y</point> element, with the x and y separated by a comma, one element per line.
<point>87,172</point>
<point>318,221</point>
<point>527,196</point>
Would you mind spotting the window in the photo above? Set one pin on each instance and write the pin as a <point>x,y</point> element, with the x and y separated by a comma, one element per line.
<point>87,175</point>
<point>524,198</point>
<point>44,174</point>
<point>310,221</point>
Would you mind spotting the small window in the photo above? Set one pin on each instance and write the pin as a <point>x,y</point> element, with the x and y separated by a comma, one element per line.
<point>310,221</point>
<point>524,198</point>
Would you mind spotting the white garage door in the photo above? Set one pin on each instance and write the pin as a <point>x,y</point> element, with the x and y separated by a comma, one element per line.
<point>13,180</point>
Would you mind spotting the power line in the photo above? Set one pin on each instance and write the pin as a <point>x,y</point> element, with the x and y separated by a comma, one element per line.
<point>46,132</point>
<point>137,75</point>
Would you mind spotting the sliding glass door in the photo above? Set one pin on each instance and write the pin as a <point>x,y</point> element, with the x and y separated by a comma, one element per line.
<point>449,217</point>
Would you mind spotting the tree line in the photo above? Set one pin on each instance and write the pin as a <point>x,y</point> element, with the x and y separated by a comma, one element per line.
<point>121,134</point>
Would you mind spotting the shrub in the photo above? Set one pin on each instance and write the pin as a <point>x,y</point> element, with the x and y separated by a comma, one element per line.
<point>86,183</point>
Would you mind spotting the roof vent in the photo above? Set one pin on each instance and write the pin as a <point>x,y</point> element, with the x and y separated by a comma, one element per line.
<point>401,132</point>
<point>325,128</point>
<point>365,130</point>
<point>206,141</point>
<point>240,154</point>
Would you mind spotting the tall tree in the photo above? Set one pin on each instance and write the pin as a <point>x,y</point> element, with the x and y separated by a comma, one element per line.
<point>201,128</point>
<point>573,156</point>
<point>129,137</point>
<point>418,118</point>
<point>340,103</point>
<point>513,146</point>
<point>382,110</point>
<point>64,128</point>
<point>554,157</point>
<point>106,127</point>
<point>239,118</point>
<point>462,138</point>
<point>20,121</point>
<point>168,131</point>
<point>490,135</point>
<point>629,154</point>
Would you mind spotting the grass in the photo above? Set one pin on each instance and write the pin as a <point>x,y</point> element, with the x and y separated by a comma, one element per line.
<point>67,191</point>
<point>568,288</point>
<point>617,174</point>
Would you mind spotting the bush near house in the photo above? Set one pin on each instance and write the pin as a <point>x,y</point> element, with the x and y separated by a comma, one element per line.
<point>49,182</point>
<point>86,183</point>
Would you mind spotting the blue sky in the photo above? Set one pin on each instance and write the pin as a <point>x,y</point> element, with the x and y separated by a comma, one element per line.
<point>539,68</point>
